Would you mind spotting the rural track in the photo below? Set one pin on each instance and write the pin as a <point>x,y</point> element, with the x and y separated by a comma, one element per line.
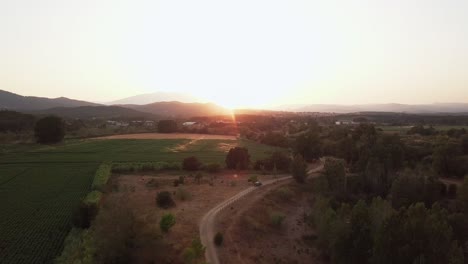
<point>207,223</point>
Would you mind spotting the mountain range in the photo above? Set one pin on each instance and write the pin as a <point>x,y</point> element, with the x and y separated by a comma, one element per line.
<point>156,97</point>
<point>14,101</point>
<point>81,109</point>
<point>160,108</point>
<point>434,108</point>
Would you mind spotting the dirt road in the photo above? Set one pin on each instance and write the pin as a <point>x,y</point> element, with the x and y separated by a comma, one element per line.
<point>207,223</point>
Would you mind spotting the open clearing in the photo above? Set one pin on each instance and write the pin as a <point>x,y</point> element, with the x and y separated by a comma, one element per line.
<point>169,136</point>
<point>40,186</point>
<point>188,213</point>
<point>250,237</point>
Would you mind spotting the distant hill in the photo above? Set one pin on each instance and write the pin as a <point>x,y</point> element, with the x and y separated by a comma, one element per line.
<point>178,109</point>
<point>396,108</point>
<point>149,98</point>
<point>87,112</point>
<point>12,101</point>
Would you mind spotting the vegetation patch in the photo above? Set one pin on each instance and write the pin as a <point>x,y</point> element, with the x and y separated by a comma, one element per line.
<point>101,177</point>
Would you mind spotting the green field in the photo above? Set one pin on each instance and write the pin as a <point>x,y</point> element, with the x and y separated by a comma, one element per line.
<point>41,185</point>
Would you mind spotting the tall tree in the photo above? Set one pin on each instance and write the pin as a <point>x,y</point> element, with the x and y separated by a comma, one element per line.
<point>238,158</point>
<point>299,169</point>
<point>50,129</point>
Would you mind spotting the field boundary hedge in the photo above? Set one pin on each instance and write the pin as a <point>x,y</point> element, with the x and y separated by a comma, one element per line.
<point>125,167</point>
<point>101,176</point>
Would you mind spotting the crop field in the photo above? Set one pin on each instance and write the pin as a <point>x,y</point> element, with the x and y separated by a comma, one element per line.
<point>36,205</point>
<point>40,186</point>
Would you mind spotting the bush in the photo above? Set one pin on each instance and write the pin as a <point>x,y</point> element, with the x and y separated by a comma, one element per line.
<point>191,164</point>
<point>167,221</point>
<point>213,167</point>
<point>195,251</point>
<point>50,129</point>
<point>277,219</point>
<point>101,177</point>
<point>183,194</point>
<point>164,200</point>
<point>218,239</point>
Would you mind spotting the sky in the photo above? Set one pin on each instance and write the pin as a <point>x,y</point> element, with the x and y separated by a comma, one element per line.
<point>243,53</point>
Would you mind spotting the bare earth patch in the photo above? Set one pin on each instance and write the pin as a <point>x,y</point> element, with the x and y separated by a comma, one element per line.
<point>251,238</point>
<point>225,147</point>
<point>188,213</point>
<point>169,136</point>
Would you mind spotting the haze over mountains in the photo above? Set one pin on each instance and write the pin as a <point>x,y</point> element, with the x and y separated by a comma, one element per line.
<point>183,106</point>
<point>157,97</point>
<point>392,107</point>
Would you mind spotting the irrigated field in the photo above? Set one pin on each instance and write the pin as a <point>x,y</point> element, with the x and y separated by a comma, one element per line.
<point>41,186</point>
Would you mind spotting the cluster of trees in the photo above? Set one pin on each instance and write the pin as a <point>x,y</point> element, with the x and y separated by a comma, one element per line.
<point>378,233</point>
<point>419,220</point>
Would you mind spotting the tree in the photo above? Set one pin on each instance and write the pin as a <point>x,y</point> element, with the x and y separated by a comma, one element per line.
<point>167,126</point>
<point>444,158</point>
<point>50,129</point>
<point>309,146</point>
<point>334,171</point>
<point>167,221</point>
<point>238,158</point>
<point>463,196</point>
<point>191,164</point>
<point>407,189</point>
<point>299,169</point>
<point>464,144</point>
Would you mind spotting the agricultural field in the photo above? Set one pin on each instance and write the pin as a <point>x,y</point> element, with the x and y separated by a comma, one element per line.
<point>36,207</point>
<point>40,186</point>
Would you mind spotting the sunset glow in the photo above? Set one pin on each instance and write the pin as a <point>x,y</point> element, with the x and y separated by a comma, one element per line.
<point>238,54</point>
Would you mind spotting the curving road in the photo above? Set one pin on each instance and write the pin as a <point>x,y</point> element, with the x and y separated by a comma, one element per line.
<point>207,223</point>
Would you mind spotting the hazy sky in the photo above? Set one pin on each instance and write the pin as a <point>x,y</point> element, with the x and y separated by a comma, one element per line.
<point>240,52</point>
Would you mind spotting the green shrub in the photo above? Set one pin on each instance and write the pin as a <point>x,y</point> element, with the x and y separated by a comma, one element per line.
<point>167,221</point>
<point>218,239</point>
<point>189,255</point>
<point>277,219</point>
<point>101,176</point>
<point>183,194</point>
<point>164,200</point>
<point>198,247</point>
